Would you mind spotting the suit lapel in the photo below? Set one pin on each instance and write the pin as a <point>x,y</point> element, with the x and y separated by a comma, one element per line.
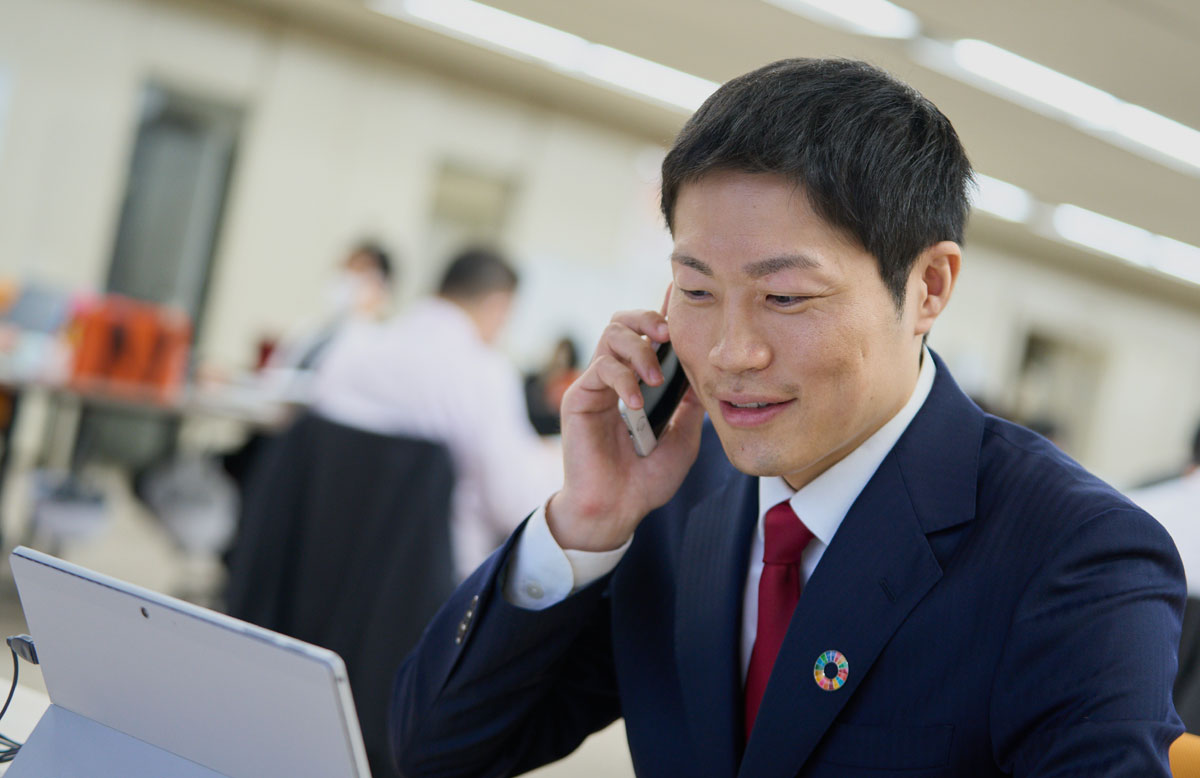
<point>708,617</point>
<point>878,566</point>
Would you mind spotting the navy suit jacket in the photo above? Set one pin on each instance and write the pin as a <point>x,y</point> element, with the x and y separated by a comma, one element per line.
<point>1001,611</point>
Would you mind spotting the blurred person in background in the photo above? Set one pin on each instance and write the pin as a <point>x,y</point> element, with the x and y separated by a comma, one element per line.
<point>435,373</point>
<point>544,389</point>
<point>360,290</point>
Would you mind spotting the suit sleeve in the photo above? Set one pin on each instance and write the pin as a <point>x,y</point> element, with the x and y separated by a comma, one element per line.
<point>493,689</point>
<point>1084,683</point>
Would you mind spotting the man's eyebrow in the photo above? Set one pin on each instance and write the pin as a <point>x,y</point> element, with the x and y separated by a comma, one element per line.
<point>766,267</point>
<point>693,263</point>
<point>760,269</point>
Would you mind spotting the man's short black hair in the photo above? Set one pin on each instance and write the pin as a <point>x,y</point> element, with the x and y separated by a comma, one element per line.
<point>475,272</point>
<point>1196,447</point>
<point>874,157</point>
<point>378,256</point>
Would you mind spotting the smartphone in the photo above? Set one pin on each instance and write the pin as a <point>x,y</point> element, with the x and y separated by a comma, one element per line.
<point>646,424</point>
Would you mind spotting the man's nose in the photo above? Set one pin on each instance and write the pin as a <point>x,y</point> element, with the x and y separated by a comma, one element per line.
<point>740,347</point>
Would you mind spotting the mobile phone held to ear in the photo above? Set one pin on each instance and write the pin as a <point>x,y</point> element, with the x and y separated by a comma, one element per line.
<point>646,424</point>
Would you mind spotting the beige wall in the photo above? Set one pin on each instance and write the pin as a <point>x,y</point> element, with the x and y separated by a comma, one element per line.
<point>1147,402</point>
<point>338,143</point>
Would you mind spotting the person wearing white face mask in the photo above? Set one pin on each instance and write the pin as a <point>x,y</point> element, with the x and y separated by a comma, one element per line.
<point>362,285</point>
<point>360,291</point>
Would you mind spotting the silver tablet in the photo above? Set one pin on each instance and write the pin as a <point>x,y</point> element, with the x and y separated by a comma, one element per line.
<point>143,684</point>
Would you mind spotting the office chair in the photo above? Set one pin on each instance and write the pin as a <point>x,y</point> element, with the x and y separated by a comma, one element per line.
<point>344,542</point>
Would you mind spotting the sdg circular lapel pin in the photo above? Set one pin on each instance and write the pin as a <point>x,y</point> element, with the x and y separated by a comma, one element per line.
<point>831,670</point>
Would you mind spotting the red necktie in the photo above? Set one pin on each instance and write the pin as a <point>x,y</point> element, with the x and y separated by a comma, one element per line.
<point>785,538</point>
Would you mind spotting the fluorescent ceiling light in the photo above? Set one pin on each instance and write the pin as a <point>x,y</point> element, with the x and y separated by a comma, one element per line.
<point>1037,82</point>
<point>1159,134</point>
<point>877,18</point>
<point>512,33</point>
<point>570,54</point>
<point>1088,228</point>
<point>635,74</point>
<point>1002,199</point>
<point>1133,244</point>
<point>1060,97</point>
<point>1176,258</point>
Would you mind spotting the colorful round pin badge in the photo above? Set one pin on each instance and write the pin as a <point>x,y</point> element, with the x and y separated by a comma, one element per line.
<point>831,671</point>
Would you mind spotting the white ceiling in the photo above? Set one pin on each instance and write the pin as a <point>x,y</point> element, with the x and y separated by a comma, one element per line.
<point>1142,51</point>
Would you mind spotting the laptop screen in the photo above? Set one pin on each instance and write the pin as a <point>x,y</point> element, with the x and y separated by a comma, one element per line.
<point>235,698</point>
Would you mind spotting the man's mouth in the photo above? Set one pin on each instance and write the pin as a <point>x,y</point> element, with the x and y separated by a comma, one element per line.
<point>739,412</point>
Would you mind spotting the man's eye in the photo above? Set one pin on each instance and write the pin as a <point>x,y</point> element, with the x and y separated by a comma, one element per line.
<point>694,294</point>
<point>786,300</point>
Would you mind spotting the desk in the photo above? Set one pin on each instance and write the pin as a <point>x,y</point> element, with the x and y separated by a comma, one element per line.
<point>236,402</point>
<point>231,408</point>
<point>27,707</point>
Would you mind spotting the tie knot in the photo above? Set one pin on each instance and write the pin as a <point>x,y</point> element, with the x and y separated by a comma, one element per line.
<point>784,535</point>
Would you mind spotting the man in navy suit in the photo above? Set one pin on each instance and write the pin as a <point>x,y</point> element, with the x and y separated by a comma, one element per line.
<point>887,581</point>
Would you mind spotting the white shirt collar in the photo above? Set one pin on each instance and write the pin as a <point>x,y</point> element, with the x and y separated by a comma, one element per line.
<point>825,501</point>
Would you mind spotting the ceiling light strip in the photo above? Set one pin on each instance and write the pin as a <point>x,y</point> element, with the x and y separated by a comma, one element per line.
<point>1002,199</point>
<point>876,18</point>
<point>566,53</point>
<point>1056,96</point>
<point>1086,228</point>
<point>1125,241</point>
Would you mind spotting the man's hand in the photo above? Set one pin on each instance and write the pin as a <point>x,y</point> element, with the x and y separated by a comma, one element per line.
<point>608,488</point>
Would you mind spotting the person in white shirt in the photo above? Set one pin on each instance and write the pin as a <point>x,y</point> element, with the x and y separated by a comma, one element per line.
<point>359,290</point>
<point>434,373</point>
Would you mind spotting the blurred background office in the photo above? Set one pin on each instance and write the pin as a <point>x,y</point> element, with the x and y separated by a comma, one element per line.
<point>178,178</point>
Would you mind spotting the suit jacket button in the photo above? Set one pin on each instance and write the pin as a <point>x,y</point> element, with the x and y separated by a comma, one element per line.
<point>466,622</point>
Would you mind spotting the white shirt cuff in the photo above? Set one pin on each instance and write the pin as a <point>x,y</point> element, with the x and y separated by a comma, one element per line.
<point>541,573</point>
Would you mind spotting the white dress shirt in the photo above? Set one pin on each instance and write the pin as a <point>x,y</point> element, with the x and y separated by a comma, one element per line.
<point>428,374</point>
<point>542,574</point>
<point>1176,505</point>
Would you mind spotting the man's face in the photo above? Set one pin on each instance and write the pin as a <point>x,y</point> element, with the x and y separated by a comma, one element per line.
<point>362,265</point>
<point>771,304</point>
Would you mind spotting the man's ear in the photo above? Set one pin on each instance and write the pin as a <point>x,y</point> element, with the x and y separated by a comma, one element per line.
<point>932,282</point>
